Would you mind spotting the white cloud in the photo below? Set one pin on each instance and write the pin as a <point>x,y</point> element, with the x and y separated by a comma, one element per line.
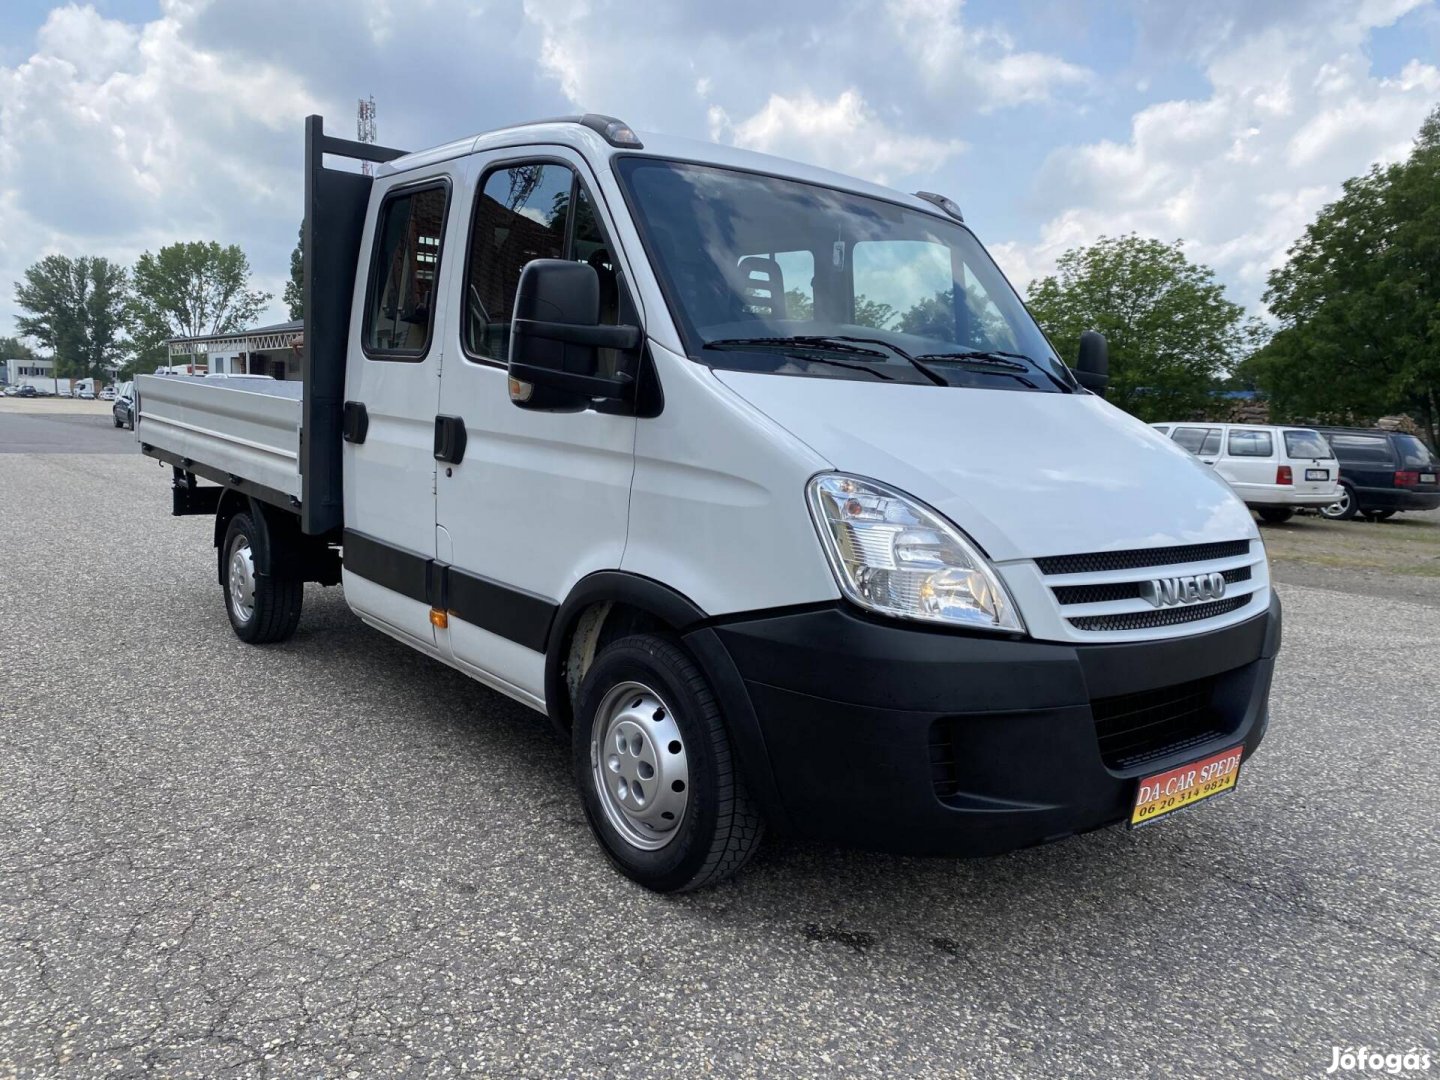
<point>1294,110</point>
<point>843,134</point>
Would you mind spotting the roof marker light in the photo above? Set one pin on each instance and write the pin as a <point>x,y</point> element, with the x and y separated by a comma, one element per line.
<point>615,132</point>
<point>943,202</point>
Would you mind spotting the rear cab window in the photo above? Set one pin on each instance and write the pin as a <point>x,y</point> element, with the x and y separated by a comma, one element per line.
<point>404,270</point>
<point>1244,443</point>
<point>1307,444</point>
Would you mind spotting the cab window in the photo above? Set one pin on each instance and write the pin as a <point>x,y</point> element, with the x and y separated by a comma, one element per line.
<point>525,212</point>
<point>400,308</point>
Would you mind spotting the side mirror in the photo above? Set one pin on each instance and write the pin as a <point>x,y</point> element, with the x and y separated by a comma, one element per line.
<point>555,337</point>
<point>1093,369</point>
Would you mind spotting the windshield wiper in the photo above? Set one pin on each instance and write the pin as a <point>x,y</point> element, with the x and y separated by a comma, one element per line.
<point>847,343</point>
<point>1006,362</point>
<point>799,341</point>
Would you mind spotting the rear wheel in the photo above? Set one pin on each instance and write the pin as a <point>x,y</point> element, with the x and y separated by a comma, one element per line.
<point>1275,515</point>
<point>655,769</point>
<point>263,608</point>
<point>1344,508</point>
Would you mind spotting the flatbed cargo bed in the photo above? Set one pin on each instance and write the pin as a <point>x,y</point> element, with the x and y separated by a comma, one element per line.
<point>227,431</point>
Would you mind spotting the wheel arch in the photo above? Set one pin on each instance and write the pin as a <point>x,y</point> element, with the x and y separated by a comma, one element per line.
<point>601,607</point>
<point>611,604</point>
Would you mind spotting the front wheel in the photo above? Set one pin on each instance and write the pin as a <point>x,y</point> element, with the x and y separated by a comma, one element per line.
<point>1342,509</point>
<point>655,770</point>
<point>263,608</point>
<point>1275,515</point>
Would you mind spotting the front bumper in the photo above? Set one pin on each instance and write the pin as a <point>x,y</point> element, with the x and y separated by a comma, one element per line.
<point>919,741</point>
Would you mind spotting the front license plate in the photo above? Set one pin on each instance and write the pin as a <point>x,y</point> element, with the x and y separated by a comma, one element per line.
<point>1176,789</point>
<point>1317,474</point>
<point>1427,478</point>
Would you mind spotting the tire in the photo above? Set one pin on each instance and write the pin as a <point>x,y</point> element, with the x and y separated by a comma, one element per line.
<point>118,422</point>
<point>1275,515</point>
<point>1344,508</point>
<point>647,717</point>
<point>263,608</point>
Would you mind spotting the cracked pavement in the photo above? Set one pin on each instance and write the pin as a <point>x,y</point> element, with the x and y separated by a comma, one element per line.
<point>337,858</point>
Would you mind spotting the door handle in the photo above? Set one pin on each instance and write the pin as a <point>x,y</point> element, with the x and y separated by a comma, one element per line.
<point>449,439</point>
<point>354,422</point>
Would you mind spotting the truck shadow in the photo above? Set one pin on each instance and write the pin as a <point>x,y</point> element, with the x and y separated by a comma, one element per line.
<point>847,903</point>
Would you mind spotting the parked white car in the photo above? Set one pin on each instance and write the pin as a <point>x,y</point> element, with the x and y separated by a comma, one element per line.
<point>1274,468</point>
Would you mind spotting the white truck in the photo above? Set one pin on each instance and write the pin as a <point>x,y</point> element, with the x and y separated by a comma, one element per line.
<point>759,481</point>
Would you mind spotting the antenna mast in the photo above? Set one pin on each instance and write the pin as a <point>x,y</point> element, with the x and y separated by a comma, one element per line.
<point>366,130</point>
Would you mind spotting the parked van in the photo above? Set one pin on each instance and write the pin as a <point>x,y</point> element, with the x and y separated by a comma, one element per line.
<point>1275,469</point>
<point>606,422</point>
<point>1383,473</point>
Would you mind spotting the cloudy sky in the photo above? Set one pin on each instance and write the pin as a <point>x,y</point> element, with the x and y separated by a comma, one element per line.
<point>129,124</point>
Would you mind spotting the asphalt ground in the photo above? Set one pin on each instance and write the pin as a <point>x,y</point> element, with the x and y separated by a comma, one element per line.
<point>335,857</point>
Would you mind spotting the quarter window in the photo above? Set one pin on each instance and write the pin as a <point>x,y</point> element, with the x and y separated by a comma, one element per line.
<point>1306,444</point>
<point>400,312</point>
<point>1363,449</point>
<point>1251,444</point>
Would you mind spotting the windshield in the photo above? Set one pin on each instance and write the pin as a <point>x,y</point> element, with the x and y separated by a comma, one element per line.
<point>1414,454</point>
<point>773,275</point>
<point>1306,444</point>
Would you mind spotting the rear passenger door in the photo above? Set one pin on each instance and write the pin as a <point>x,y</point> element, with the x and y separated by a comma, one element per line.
<point>392,377</point>
<point>538,499</point>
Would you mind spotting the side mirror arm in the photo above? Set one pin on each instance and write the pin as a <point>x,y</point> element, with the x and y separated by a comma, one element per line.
<point>609,387</point>
<point>624,338</point>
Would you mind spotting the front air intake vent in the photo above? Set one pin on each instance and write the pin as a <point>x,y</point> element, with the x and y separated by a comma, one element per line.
<point>1102,561</point>
<point>1143,620</point>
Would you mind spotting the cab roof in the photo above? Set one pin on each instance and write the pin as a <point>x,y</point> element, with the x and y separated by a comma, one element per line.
<point>575,133</point>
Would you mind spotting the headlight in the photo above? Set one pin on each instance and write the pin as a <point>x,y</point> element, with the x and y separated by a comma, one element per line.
<point>895,555</point>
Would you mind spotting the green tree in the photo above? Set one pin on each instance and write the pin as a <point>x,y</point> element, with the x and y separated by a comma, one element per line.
<point>12,348</point>
<point>294,295</point>
<point>192,290</point>
<point>1172,333</point>
<point>873,313</point>
<point>1358,299</point>
<point>76,311</point>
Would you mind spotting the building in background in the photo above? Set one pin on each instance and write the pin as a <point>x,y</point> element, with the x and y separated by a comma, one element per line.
<point>33,372</point>
<point>264,350</point>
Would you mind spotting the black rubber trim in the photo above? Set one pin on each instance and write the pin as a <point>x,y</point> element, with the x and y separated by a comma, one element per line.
<point>519,616</point>
<point>398,570</point>
<point>514,614</point>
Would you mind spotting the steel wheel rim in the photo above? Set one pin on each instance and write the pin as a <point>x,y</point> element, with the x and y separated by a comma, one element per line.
<point>1340,505</point>
<point>242,579</point>
<point>639,764</point>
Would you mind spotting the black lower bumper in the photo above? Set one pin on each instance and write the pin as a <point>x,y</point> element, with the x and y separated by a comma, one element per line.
<point>910,740</point>
<point>1396,499</point>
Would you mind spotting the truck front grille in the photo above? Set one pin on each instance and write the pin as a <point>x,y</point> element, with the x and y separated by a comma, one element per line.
<point>1134,591</point>
<point>1134,559</point>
